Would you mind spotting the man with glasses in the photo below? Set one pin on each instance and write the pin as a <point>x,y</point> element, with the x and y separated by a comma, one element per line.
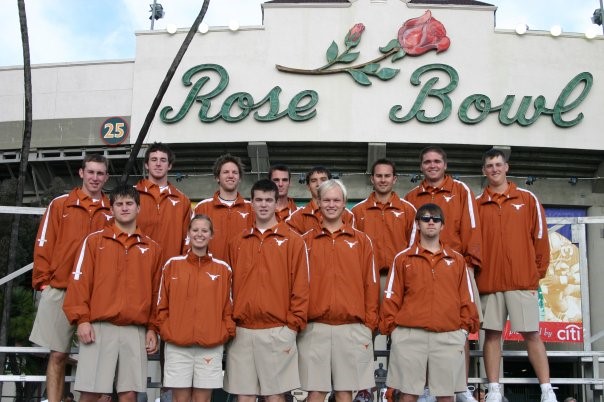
<point>462,233</point>
<point>428,311</point>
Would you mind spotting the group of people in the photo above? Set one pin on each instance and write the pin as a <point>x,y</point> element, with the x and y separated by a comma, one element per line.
<point>292,293</point>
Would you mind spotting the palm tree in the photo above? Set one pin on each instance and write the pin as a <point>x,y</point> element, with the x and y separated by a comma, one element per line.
<point>14,239</point>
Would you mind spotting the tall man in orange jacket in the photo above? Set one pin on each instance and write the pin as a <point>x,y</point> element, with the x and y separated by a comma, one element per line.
<point>165,210</point>
<point>462,233</point>
<point>429,311</point>
<point>516,255</point>
<point>67,220</point>
<point>270,303</point>
<point>231,214</point>
<point>112,297</point>
<point>388,219</point>
<point>336,348</point>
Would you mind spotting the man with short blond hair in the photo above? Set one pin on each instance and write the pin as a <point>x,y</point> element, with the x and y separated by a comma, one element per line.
<point>309,216</point>
<point>336,348</point>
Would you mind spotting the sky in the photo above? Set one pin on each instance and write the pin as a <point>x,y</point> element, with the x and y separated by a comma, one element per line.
<point>85,30</point>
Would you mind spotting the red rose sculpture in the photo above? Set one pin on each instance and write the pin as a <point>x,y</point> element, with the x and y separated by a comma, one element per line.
<point>417,36</point>
<point>354,35</point>
<point>422,34</point>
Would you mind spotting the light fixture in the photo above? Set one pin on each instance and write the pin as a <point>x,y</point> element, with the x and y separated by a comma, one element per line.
<point>592,32</point>
<point>157,12</point>
<point>521,28</point>
<point>233,25</point>
<point>556,30</point>
<point>530,180</point>
<point>573,180</point>
<point>203,28</point>
<point>414,178</point>
<point>171,28</point>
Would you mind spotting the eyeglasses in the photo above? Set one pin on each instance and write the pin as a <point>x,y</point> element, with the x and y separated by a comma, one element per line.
<point>427,218</point>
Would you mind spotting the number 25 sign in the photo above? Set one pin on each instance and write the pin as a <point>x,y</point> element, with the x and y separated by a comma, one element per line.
<point>114,131</point>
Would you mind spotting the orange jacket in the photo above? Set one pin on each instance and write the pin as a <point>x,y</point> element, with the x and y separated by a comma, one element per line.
<point>228,221</point>
<point>516,244</point>
<point>428,291</point>
<point>344,285</point>
<point>194,306</point>
<point>270,278</point>
<point>164,216</point>
<point>390,226</point>
<point>309,217</point>
<point>462,225</point>
<point>287,211</point>
<point>115,279</point>
<point>67,221</point>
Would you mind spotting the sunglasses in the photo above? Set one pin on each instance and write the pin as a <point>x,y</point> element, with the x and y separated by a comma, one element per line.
<point>435,219</point>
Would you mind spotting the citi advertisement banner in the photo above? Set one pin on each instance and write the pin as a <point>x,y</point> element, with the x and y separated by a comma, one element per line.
<point>560,290</point>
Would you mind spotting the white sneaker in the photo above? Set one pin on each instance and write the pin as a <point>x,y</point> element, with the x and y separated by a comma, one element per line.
<point>494,396</point>
<point>426,397</point>
<point>465,396</point>
<point>549,396</point>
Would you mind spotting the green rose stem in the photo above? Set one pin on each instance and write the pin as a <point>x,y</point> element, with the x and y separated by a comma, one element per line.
<point>321,70</point>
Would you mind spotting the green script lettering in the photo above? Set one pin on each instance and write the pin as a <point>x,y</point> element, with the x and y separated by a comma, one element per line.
<point>237,107</point>
<point>426,91</point>
<point>482,105</point>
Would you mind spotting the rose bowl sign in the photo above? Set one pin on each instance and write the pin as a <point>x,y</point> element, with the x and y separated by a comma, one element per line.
<point>436,82</point>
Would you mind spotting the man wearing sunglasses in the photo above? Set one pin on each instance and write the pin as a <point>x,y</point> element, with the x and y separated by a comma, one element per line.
<point>516,256</point>
<point>428,311</point>
<point>462,233</point>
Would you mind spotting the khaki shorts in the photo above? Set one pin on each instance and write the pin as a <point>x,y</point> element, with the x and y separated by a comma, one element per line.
<point>262,362</point>
<point>193,366</point>
<point>51,328</point>
<point>339,353</point>
<point>522,306</point>
<point>117,350</point>
<point>415,351</point>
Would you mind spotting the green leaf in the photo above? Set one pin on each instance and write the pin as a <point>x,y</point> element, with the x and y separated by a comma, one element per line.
<point>360,77</point>
<point>348,57</point>
<point>391,45</point>
<point>398,55</point>
<point>332,52</point>
<point>371,68</point>
<point>387,73</point>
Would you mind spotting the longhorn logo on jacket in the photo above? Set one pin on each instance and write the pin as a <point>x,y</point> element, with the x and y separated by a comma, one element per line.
<point>212,277</point>
<point>517,206</point>
<point>351,244</point>
<point>143,249</point>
